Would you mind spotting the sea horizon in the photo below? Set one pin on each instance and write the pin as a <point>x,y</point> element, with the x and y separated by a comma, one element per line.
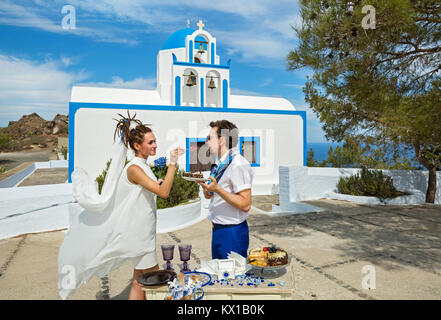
<point>321,149</point>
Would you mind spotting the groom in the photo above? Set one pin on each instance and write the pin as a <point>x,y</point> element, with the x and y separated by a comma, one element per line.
<point>229,189</point>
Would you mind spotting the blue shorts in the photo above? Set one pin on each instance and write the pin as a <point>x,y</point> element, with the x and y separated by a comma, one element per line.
<point>229,238</point>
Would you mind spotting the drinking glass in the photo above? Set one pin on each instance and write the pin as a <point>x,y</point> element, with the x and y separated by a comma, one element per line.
<point>184,252</point>
<point>167,254</point>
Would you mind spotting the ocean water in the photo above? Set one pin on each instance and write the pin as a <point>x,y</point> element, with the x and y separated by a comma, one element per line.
<point>321,149</point>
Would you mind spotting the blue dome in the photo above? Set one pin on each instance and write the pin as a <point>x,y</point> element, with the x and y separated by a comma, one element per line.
<point>177,39</point>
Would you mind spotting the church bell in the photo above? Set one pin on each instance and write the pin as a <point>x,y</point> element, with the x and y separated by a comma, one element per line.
<point>211,84</point>
<point>191,79</point>
<point>201,49</point>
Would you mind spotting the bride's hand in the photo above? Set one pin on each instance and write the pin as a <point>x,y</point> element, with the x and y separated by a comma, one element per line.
<point>175,154</point>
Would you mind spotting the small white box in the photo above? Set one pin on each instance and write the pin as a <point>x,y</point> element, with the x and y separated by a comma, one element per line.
<point>226,269</point>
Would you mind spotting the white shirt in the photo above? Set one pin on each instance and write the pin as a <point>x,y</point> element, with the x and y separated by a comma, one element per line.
<point>237,177</point>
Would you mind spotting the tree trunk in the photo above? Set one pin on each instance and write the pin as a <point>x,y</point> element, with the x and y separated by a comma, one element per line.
<point>431,186</point>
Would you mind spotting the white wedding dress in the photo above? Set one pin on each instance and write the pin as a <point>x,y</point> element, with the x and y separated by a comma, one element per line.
<point>108,229</point>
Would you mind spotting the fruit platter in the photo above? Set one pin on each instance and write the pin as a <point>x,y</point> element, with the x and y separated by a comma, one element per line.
<point>268,258</point>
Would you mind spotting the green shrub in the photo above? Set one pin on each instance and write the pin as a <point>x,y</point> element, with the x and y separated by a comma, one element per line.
<point>181,192</point>
<point>371,183</point>
<point>2,169</point>
<point>102,176</point>
<point>6,142</point>
<point>37,140</point>
<point>64,152</point>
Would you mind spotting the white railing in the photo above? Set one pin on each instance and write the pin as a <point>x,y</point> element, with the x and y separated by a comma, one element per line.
<point>309,183</point>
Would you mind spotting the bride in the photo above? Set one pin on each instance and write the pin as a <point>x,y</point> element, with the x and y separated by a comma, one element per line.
<point>107,229</point>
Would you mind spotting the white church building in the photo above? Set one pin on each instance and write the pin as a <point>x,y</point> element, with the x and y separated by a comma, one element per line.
<point>193,89</point>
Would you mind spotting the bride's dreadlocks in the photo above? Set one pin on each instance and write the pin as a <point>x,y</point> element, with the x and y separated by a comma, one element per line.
<point>130,136</point>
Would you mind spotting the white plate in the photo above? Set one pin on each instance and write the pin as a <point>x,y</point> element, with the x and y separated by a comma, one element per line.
<point>195,179</point>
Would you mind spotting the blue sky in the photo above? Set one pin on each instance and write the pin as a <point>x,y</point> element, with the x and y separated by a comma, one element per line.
<point>115,43</point>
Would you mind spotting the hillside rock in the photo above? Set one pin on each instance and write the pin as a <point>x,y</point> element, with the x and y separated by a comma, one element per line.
<point>33,130</point>
<point>59,125</point>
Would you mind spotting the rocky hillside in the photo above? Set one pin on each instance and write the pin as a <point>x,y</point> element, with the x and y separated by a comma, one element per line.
<point>33,131</point>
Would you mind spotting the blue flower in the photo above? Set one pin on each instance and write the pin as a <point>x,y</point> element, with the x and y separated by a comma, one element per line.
<point>160,162</point>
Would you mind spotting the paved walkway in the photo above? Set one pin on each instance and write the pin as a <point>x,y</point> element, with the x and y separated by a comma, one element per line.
<point>46,176</point>
<point>328,249</point>
<point>11,160</point>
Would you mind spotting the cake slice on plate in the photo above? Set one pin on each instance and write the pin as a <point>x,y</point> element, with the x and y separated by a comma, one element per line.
<point>198,175</point>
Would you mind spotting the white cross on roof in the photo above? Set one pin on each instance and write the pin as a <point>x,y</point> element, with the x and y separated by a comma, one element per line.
<point>200,24</point>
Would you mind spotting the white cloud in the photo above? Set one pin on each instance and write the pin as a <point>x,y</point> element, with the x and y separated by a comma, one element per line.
<point>49,18</point>
<point>66,61</point>
<point>17,15</point>
<point>266,82</point>
<point>27,86</point>
<point>255,29</point>
<point>242,92</point>
<point>283,25</point>
<point>118,82</point>
<point>247,45</point>
<point>292,85</point>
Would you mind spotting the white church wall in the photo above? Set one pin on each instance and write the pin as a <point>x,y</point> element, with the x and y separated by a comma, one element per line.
<point>281,135</point>
<point>179,70</point>
<point>281,138</point>
<point>213,95</point>
<point>190,94</point>
<point>208,37</point>
<point>164,72</point>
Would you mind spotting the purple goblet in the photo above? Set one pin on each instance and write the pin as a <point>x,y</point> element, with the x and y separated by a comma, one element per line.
<point>184,252</point>
<point>167,254</point>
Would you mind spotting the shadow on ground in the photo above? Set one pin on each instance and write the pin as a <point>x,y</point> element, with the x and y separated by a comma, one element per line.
<point>123,295</point>
<point>409,235</point>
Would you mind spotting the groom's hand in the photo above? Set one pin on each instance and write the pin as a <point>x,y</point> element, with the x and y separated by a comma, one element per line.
<point>212,187</point>
<point>207,195</point>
